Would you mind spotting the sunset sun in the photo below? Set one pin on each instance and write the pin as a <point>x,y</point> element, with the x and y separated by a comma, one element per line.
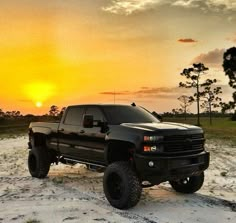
<point>39,92</point>
<point>38,104</point>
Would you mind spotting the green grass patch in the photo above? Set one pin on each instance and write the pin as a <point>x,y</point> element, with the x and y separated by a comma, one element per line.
<point>11,131</point>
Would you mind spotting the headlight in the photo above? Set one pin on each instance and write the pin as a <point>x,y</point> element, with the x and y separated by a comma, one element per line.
<point>152,138</point>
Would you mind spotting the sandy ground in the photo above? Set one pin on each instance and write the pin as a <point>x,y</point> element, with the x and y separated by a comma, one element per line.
<point>74,194</point>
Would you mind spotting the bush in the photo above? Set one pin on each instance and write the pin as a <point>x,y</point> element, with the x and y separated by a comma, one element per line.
<point>233,118</point>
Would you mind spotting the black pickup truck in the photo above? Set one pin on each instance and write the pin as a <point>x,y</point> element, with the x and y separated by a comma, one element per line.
<point>133,147</point>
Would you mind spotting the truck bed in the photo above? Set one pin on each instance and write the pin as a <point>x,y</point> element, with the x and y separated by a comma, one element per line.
<point>44,127</point>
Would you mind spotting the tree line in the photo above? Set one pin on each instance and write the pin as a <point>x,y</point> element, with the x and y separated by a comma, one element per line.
<point>206,95</point>
<point>54,111</point>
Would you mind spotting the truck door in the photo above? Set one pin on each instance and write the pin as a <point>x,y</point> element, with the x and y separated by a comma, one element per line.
<point>69,133</point>
<point>93,139</point>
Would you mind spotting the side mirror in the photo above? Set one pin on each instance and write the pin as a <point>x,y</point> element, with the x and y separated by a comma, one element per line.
<point>88,121</point>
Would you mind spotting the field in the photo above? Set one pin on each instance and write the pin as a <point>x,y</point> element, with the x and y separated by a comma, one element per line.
<point>221,128</point>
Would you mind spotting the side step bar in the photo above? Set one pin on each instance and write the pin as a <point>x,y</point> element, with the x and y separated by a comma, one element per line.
<point>73,162</point>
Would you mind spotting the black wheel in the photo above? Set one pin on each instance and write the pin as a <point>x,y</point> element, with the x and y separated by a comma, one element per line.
<point>38,162</point>
<point>121,185</point>
<point>188,185</point>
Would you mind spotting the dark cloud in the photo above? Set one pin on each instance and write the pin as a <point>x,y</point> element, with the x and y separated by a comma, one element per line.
<point>147,92</point>
<point>115,93</point>
<point>156,90</point>
<point>213,58</point>
<point>187,40</point>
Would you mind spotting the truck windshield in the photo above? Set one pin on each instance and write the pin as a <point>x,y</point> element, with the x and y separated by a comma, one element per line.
<point>118,114</point>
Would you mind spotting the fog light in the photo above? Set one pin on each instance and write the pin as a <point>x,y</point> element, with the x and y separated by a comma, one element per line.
<point>151,163</point>
<point>153,148</point>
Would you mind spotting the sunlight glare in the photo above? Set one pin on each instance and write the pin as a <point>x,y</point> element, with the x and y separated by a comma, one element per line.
<point>38,104</point>
<point>39,92</point>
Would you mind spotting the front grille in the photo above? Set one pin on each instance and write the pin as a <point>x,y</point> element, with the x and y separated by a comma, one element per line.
<point>183,143</point>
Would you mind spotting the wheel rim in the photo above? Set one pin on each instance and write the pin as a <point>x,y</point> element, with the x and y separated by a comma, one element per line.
<point>32,163</point>
<point>115,186</point>
<point>184,181</point>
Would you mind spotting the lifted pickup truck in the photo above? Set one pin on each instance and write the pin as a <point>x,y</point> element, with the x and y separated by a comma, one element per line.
<point>133,146</point>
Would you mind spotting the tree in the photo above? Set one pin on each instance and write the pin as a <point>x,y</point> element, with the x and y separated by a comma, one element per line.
<point>185,100</point>
<point>177,111</point>
<point>1,113</point>
<point>193,75</point>
<point>229,65</point>
<point>62,111</point>
<point>54,110</point>
<point>15,113</point>
<point>8,114</point>
<point>210,97</point>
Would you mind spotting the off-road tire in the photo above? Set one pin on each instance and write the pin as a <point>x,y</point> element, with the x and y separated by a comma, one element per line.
<point>38,162</point>
<point>121,185</point>
<point>188,185</point>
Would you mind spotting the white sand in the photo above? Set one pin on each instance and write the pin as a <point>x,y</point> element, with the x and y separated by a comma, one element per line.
<point>74,194</point>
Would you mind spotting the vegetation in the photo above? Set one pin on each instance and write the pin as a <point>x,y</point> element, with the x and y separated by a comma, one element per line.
<point>185,103</point>
<point>210,98</point>
<point>223,128</point>
<point>229,65</point>
<point>54,111</point>
<point>11,125</point>
<point>193,75</point>
<point>204,92</point>
<point>32,221</point>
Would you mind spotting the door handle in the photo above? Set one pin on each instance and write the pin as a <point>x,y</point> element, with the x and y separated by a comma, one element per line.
<point>82,131</point>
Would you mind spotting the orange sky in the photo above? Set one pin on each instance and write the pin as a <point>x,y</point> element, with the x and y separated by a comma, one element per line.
<point>73,52</point>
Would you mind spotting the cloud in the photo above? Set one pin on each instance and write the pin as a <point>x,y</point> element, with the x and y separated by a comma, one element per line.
<point>147,92</point>
<point>187,40</point>
<point>127,7</point>
<point>156,90</point>
<point>232,38</point>
<point>186,3</point>
<point>213,58</point>
<point>115,93</point>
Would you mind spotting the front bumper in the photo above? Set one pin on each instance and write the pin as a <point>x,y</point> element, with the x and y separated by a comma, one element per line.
<point>170,168</point>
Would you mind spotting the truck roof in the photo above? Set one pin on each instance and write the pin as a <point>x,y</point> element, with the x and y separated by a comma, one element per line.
<point>99,105</point>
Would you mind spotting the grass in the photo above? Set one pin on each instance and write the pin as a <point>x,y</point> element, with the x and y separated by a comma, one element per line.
<point>58,180</point>
<point>9,131</point>
<point>221,128</point>
<point>32,221</point>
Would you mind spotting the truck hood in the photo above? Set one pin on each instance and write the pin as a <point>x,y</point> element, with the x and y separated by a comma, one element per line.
<point>161,126</point>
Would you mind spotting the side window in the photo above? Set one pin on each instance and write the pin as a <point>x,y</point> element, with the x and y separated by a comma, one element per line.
<point>74,116</point>
<point>96,112</point>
